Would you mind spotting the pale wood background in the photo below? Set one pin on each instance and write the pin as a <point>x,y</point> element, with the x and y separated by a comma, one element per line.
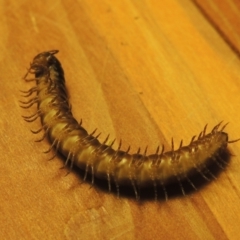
<point>143,71</point>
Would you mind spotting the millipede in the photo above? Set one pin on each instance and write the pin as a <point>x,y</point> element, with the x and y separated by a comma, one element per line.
<point>83,150</point>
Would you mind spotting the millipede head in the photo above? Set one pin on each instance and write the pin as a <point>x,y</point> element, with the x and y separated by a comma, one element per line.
<point>42,61</point>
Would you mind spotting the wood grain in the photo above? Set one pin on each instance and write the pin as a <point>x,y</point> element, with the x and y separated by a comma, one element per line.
<point>143,71</point>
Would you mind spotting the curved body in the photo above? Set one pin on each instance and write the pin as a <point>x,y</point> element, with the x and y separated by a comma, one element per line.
<point>100,160</point>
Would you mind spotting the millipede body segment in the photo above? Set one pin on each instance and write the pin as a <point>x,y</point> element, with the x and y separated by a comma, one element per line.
<point>85,151</point>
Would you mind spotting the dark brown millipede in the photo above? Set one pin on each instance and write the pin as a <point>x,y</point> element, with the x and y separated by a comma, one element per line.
<point>85,151</point>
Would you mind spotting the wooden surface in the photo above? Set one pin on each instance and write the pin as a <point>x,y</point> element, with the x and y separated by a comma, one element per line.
<point>143,71</point>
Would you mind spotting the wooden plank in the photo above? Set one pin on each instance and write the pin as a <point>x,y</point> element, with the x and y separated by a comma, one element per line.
<point>143,71</point>
<point>224,17</point>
